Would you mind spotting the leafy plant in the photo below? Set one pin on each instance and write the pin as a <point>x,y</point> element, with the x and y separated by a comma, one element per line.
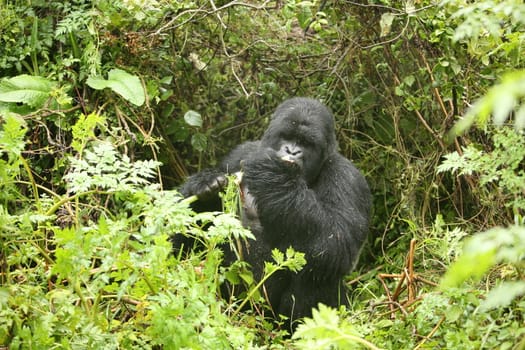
<point>484,251</point>
<point>34,91</point>
<point>325,330</point>
<point>87,263</point>
<point>501,102</point>
<point>126,85</point>
<point>501,167</point>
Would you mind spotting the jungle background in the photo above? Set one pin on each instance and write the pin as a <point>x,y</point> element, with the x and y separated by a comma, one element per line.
<point>106,106</point>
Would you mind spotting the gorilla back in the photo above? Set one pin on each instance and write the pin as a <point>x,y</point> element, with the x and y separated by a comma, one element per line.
<point>298,192</point>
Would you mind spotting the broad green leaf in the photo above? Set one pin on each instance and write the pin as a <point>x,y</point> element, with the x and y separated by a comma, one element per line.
<point>167,80</point>
<point>126,85</point>
<point>199,142</point>
<point>193,118</point>
<point>97,83</point>
<point>27,89</point>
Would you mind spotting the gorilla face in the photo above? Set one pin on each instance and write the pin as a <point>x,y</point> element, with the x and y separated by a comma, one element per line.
<point>301,133</point>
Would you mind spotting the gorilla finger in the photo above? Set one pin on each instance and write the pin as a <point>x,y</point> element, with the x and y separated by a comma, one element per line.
<point>220,182</point>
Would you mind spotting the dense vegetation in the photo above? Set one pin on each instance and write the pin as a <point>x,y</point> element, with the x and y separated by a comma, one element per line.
<point>106,106</point>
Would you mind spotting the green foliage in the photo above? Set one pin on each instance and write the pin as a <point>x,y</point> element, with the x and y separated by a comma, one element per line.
<point>34,91</point>
<point>12,137</point>
<point>97,169</point>
<point>500,167</point>
<point>492,17</point>
<point>325,330</point>
<point>85,220</point>
<point>500,102</point>
<point>126,85</point>
<point>482,252</point>
<point>113,273</point>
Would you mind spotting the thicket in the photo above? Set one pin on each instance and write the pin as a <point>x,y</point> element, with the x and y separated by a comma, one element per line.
<point>105,107</point>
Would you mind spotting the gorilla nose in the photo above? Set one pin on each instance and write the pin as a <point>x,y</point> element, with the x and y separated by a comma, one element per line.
<point>292,150</point>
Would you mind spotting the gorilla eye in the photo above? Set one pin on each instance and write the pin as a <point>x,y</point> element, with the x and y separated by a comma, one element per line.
<point>307,141</point>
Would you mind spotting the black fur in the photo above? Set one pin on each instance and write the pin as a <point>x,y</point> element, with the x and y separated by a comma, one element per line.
<point>299,192</point>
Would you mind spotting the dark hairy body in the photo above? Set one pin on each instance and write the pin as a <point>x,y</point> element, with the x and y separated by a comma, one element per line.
<point>298,192</point>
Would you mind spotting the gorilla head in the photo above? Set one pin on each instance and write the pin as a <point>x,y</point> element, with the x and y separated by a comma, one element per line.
<point>302,132</point>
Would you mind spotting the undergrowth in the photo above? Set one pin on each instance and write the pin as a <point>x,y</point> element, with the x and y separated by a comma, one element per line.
<point>96,94</point>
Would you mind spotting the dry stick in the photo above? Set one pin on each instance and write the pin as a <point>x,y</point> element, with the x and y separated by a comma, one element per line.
<point>411,278</point>
<point>387,291</point>
<point>436,90</point>
<point>430,334</point>
<point>392,304</point>
<point>399,288</point>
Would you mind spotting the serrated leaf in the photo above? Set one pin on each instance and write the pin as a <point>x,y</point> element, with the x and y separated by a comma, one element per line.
<point>193,118</point>
<point>126,85</point>
<point>12,134</point>
<point>277,256</point>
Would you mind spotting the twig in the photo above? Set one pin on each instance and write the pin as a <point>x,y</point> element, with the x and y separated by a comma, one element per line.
<point>206,13</point>
<point>408,280</point>
<point>430,334</point>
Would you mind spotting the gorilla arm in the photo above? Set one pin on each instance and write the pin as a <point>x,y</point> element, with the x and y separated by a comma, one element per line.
<point>207,183</point>
<point>328,221</point>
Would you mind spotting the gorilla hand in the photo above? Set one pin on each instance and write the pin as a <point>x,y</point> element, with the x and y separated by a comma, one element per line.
<point>205,184</point>
<point>269,163</point>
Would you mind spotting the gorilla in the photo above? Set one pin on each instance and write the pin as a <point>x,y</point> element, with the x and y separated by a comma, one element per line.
<point>297,191</point>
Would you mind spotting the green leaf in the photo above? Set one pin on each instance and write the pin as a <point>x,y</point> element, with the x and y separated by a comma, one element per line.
<point>27,89</point>
<point>126,85</point>
<point>12,134</point>
<point>520,118</point>
<point>84,130</point>
<point>193,118</point>
<point>499,101</point>
<point>386,23</point>
<point>199,142</point>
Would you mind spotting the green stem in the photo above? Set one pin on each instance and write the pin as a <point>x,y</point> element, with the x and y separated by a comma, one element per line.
<point>255,289</point>
<point>33,183</point>
<point>61,202</point>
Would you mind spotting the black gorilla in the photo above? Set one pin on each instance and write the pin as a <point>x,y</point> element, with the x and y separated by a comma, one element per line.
<point>299,192</point>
